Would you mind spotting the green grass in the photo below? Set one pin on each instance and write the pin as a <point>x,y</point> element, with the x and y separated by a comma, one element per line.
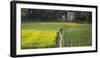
<point>78,35</point>
<point>44,34</point>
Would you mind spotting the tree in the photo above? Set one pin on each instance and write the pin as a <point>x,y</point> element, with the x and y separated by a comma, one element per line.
<point>82,16</point>
<point>24,14</point>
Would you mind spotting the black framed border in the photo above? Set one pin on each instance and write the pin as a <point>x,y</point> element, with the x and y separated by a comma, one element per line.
<point>13,49</point>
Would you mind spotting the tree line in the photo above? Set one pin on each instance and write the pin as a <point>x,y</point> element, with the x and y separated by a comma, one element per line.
<point>41,15</point>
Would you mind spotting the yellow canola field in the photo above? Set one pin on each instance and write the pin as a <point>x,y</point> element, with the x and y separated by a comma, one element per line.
<point>38,38</point>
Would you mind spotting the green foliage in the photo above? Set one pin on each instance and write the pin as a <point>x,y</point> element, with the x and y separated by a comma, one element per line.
<point>85,17</point>
<point>24,14</point>
<point>42,15</point>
